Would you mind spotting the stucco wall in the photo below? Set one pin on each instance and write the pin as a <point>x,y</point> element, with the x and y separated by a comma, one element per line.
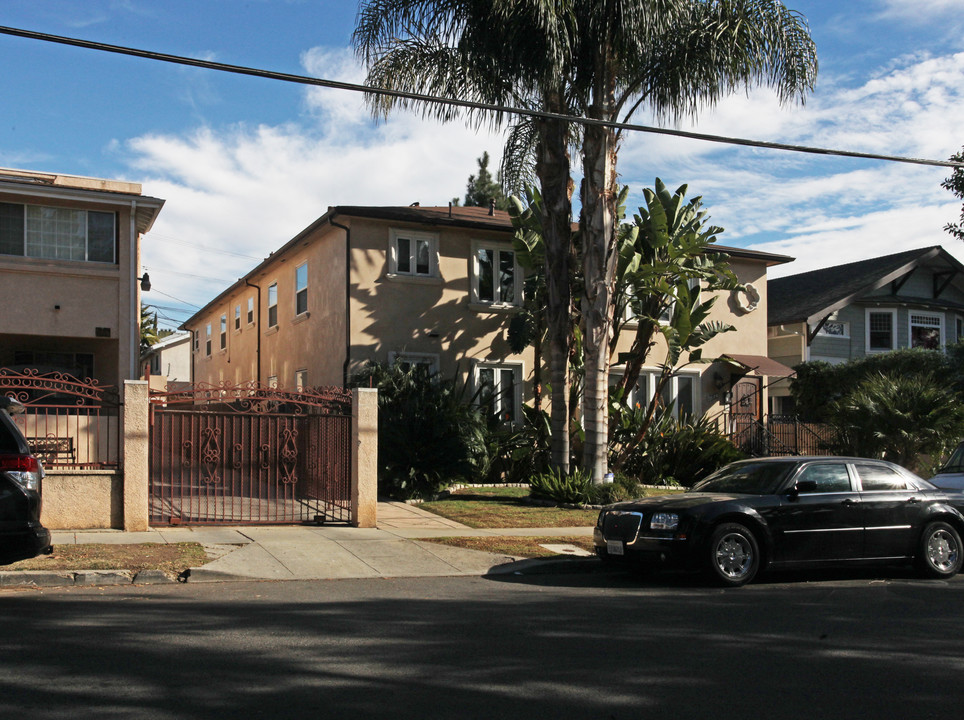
<point>83,499</point>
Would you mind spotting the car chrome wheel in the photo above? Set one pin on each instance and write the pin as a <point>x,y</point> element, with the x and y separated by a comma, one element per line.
<point>734,555</point>
<point>940,551</point>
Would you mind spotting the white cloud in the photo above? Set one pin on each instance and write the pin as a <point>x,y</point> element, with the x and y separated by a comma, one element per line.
<point>249,189</point>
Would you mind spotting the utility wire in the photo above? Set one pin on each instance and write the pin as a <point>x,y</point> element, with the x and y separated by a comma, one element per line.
<point>199,246</point>
<point>338,85</point>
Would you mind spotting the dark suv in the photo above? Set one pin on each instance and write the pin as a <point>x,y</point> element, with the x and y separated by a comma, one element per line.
<point>21,476</point>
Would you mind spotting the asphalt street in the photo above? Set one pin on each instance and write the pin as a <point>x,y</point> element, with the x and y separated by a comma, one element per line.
<point>547,645</point>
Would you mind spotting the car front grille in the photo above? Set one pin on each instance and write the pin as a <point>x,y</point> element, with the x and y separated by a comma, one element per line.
<point>621,525</point>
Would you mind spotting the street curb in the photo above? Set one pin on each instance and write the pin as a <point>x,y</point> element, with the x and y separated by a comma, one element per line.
<point>80,578</point>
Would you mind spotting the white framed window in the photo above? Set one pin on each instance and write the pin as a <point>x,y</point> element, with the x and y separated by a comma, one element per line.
<point>630,316</point>
<point>250,311</point>
<point>273,305</point>
<point>301,289</point>
<point>496,276</point>
<point>413,254</point>
<point>835,329</point>
<point>683,390</point>
<point>57,233</point>
<point>881,329</point>
<point>409,360</point>
<point>224,331</point>
<point>926,331</point>
<point>196,336</point>
<point>237,317</point>
<point>499,387</point>
<point>207,346</point>
<point>301,379</point>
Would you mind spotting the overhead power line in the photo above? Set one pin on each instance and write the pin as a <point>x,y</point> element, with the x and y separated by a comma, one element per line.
<point>338,85</point>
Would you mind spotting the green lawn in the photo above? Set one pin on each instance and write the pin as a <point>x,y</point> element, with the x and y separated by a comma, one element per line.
<point>509,507</point>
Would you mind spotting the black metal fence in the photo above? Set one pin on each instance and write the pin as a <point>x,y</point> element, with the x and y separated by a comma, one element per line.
<point>783,435</point>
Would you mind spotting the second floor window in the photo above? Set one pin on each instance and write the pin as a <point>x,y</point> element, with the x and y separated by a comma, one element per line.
<point>224,331</point>
<point>301,289</point>
<point>237,317</point>
<point>880,330</point>
<point>413,254</point>
<point>926,331</point>
<point>250,311</point>
<point>207,346</point>
<point>495,277</point>
<point>55,233</point>
<point>273,305</point>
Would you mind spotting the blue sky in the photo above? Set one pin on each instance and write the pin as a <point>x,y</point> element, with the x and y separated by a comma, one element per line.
<point>245,163</point>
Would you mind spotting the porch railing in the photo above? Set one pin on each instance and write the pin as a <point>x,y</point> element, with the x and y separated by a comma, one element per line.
<point>69,423</point>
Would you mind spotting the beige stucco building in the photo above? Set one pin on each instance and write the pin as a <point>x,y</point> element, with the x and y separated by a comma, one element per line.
<point>428,285</point>
<point>69,263</point>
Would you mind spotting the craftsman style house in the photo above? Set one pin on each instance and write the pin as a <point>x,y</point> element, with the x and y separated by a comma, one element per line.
<point>906,300</point>
<point>434,286</point>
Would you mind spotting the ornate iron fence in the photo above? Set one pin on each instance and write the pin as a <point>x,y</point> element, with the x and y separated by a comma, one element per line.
<point>69,423</point>
<point>783,435</point>
<point>226,454</point>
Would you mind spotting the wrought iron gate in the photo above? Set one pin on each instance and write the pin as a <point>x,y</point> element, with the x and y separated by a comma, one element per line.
<point>227,455</point>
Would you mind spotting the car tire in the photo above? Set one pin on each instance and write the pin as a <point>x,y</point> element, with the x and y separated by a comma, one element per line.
<point>939,552</point>
<point>733,555</point>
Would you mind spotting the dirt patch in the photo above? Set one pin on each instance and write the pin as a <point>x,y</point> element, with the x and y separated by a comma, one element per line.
<point>169,558</point>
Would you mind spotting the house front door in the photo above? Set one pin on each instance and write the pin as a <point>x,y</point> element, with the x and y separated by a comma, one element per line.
<point>746,412</point>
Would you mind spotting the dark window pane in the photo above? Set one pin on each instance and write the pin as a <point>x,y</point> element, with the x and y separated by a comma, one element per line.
<point>11,229</point>
<point>422,257</point>
<point>881,331</point>
<point>684,396</point>
<point>404,255</point>
<point>301,302</point>
<point>506,277</point>
<point>486,280</point>
<point>100,237</point>
<point>507,390</point>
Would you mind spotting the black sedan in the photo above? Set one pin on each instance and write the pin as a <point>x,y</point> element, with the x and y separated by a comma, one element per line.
<point>790,512</point>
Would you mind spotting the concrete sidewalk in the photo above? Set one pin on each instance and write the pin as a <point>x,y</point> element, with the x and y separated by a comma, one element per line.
<point>304,552</point>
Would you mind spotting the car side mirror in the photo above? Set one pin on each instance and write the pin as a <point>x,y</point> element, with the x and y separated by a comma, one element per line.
<point>803,486</point>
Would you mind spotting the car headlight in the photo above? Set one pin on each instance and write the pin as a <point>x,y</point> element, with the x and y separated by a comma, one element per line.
<point>664,521</point>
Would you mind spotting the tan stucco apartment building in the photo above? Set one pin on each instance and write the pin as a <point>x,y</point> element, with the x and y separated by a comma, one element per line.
<point>69,267</point>
<point>428,285</point>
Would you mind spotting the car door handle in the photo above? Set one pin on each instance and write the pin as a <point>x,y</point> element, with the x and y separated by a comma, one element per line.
<point>913,500</point>
<point>851,501</point>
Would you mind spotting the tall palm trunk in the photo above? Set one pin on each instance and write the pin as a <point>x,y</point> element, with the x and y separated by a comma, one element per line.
<point>598,225</point>
<point>553,171</point>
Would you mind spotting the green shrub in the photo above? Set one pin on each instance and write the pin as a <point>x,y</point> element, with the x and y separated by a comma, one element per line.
<point>679,452</point>
<point>429,433</point>
<point>515,453</point>
<point>902,418</point>
<point>576,487</point>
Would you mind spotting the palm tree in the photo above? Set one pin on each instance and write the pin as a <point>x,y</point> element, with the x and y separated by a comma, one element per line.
<point>601,58</point>
<point>674,56</point>
<point>502,52</point>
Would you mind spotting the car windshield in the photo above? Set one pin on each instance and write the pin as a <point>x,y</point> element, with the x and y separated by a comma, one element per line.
<point>751,478</point>
<point>956,463</point>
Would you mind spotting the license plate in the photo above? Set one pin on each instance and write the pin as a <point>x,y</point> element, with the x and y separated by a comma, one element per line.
<point>614,547</point>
